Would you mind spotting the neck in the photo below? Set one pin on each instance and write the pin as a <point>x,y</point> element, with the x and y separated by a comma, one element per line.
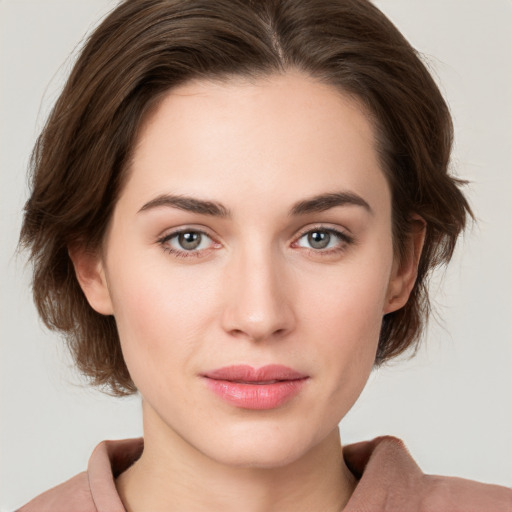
<point>172,476</point>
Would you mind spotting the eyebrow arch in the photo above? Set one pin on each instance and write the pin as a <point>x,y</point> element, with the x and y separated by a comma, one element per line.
<point>327,201</point>
<point>188,204</point>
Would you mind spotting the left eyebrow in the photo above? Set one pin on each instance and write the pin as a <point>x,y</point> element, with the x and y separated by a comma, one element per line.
<point>325,202</point>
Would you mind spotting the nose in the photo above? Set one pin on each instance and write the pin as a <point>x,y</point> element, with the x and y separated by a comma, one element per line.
<point>258,298</point>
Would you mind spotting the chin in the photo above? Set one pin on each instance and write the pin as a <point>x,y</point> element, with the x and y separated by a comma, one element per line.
<point>257,457</point>
<point>262,448</point>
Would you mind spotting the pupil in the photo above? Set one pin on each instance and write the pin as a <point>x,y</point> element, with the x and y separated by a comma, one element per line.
<point>319,239</point>
<point>189,240</point>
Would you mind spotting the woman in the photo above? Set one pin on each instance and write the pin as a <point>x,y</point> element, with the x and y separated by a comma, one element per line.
<point>234,211</point>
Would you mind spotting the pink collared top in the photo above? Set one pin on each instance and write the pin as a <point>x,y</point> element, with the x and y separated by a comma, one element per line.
<point>389,481</point>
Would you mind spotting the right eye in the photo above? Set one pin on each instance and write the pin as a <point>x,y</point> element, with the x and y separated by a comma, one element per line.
<point>186,242</point>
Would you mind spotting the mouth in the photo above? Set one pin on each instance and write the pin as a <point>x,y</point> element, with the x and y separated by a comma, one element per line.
<point>245,387</point>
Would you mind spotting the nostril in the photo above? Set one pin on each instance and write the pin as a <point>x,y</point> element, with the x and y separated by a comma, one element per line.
<point>257,312</point>
<point>258,336</point>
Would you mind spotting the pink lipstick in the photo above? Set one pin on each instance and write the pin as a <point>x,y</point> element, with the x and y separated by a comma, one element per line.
<point>267,387</point>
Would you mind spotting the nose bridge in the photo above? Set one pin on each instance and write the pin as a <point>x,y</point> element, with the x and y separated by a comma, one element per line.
<point>258,306</point>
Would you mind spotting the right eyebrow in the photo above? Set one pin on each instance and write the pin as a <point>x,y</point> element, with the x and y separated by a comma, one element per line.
<point>188,204</point>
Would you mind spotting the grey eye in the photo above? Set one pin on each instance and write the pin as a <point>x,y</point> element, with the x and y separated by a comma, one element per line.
<point>319,239</point>
<point>189,240</point>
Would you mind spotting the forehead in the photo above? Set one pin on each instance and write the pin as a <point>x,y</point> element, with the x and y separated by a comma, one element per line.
<point>244,138</point>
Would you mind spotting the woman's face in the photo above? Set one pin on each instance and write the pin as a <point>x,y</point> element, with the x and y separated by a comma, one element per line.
<point>248,265</point>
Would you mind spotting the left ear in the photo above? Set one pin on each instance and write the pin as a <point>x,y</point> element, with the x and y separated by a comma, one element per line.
<point>405,269</point>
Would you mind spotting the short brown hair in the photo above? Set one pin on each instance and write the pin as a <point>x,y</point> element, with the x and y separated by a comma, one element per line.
<point>146,47</point>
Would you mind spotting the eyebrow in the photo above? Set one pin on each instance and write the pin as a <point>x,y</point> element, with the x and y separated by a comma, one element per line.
<point>319,203</point>
<point>324,202</point>
<point>188,204</point>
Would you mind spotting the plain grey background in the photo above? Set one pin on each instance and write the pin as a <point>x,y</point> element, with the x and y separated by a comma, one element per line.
<point>452,404</point>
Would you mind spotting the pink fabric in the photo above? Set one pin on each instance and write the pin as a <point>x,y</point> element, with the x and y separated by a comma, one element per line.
<point>93,490</point>
<point>110,459</point>
<point>389,481</point>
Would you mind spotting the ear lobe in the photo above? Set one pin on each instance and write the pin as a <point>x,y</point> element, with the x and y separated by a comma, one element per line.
<point>405,271</point>
<point>91,277</point>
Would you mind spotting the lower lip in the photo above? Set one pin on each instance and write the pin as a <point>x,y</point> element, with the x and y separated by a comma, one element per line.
<point>256,396</point>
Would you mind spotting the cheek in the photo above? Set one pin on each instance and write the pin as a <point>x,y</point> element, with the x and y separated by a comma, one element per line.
<point>160,316</point>
<point>345,320</point>
<point>350,324</point>
<point>350,302</point>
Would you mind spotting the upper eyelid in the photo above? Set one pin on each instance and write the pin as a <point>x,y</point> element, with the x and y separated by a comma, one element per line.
<point>172,232</point>
<point>322,227</point>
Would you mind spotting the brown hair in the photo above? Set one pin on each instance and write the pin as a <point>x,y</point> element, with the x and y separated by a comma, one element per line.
<point>144,48</point>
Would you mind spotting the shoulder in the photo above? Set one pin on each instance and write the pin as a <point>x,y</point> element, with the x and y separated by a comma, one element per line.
<point>459,494</point>
<point>390,480</point>
<point>74,494</point>
<point>93,490</point>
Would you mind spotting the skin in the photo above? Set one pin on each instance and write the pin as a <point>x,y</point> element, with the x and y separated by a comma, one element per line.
<point>256,291</point>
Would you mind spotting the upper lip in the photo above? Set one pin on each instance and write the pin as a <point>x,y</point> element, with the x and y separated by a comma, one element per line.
<point>246,373</point>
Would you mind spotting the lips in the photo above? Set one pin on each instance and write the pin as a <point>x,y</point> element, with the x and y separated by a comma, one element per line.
<point>245,387</point>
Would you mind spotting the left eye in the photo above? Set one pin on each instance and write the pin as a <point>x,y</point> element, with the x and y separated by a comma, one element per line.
<point>320,239</point>
<point>188,241</point>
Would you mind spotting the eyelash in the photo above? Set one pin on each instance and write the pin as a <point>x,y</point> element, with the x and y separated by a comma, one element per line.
<point>163,241</point>
<point>344,241</point>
